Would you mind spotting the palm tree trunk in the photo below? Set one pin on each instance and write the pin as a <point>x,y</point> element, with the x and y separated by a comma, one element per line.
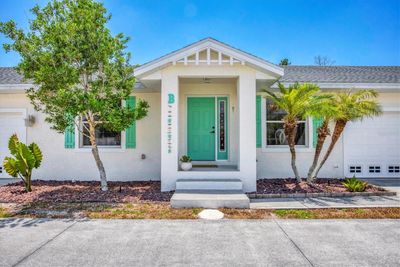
<point>337,132</point>
<point>290,132</point>
<point>323,132</point>
<point>96,155</point>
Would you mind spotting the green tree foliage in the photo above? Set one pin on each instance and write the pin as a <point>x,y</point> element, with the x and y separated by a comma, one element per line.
<point>296,100</point>
<point>81,71</point>
<point>285,62</point>
<point>350,106</point>
<point>26,158</point>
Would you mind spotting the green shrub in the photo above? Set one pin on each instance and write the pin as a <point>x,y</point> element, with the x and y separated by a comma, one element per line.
<point>26,158</point>
<point>354,184</point>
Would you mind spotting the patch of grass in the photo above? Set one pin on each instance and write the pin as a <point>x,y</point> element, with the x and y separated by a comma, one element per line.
<point>143,211</point>
<point>353,213</point>
<point>164,211</point>
<point>295,214</point>
<point>246,213</point>
<point>4,213</point>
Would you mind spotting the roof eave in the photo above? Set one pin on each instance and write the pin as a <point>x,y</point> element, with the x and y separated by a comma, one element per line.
<point>332,86</point>
<point>15,88</point>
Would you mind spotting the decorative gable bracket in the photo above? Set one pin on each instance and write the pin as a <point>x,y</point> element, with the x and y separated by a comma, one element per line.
<point>208,56</point>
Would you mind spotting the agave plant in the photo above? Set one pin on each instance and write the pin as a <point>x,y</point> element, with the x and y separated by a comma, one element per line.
<point>25,159</point>
<point>354,184</point>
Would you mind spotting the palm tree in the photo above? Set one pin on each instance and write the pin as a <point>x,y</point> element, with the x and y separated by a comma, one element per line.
<point>295,101</point>
<point>324,110</point>
<point>351,106</point>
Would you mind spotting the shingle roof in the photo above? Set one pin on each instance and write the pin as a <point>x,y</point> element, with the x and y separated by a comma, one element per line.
<point>342,74</point>
<point>9,75</point>
<point>316,74</point>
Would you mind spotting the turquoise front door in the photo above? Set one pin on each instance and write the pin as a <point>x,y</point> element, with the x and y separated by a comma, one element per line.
<point>201,128</point>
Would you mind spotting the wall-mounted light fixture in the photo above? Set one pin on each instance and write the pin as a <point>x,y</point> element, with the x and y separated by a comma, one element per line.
<point>29,121</point>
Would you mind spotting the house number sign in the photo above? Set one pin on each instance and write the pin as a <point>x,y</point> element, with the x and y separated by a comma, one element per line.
<point>171,101</point>
<point>222,125</point>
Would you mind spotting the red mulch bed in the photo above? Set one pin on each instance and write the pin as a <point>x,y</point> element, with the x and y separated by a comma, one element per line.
<point>68,191</point>
<point>290,186</point>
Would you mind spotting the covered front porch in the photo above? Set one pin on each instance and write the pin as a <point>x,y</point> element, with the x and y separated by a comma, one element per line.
<point>208,123</point>
<point>208,112</point>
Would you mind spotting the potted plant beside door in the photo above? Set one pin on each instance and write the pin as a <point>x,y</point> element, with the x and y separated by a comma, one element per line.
<point>186,163</point>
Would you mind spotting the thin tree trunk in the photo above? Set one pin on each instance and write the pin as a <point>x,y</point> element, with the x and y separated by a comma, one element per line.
<point>290,132</point>
<point>96,155</point>
<point>337,132</point>
<point>323,132</point>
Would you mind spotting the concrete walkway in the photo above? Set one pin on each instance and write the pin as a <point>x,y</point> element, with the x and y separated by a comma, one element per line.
<point>326,202</point>
<point>44,242</point>
<point>391,184</point>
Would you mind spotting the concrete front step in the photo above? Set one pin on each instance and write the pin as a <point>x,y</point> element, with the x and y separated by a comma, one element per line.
<point>210,199</point>
<point>209,184</point>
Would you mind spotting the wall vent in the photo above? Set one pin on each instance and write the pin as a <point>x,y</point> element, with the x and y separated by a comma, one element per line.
<point>355,169</point>
<point>394,169</point>
<point>374,169</point>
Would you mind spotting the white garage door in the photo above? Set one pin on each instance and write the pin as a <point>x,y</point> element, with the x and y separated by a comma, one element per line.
<point>372,147</point>
<point>11,121</point>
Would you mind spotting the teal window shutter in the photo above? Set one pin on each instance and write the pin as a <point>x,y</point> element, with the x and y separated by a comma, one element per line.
<point>258,120</point>
<point>130,132</point>
<point>316,123</point>
<point>69,137</point>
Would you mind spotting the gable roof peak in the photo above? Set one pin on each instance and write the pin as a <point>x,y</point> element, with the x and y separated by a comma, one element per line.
<point>231,56</point>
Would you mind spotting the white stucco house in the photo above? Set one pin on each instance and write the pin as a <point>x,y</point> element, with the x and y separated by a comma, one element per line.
<point>206,101</point>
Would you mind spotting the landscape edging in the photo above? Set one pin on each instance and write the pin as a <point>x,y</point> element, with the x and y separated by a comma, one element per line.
<point>324,194</point>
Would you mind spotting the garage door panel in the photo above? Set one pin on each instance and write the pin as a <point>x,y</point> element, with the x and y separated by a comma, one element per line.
<point>373,142</point>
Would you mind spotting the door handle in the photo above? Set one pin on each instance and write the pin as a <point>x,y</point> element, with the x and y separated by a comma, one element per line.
<point>212,132</point>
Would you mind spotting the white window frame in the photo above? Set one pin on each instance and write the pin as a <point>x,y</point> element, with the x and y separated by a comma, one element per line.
<point>81,145</point>
<point>88,149</point>
<point>283,148</point>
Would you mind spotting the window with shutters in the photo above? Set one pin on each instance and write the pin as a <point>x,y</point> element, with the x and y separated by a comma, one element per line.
<point>275,135</point>
<point>104,137</point>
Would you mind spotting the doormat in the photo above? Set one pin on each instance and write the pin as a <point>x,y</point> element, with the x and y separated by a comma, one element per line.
<point>205,166</point>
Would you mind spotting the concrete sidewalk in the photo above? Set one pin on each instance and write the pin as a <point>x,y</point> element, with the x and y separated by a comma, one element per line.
<point>44,242</point>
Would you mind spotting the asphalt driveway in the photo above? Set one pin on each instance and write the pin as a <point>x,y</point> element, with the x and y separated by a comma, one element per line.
<point>44,242</point>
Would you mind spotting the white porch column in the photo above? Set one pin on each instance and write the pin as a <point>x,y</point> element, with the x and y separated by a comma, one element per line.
<point>246,94</point>
<point>169,130</point>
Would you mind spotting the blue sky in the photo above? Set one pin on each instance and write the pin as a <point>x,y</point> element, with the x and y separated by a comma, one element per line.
<point>353,32</point>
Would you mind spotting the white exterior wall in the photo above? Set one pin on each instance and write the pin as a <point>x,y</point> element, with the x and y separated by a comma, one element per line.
<point>126,164</point>
<point>120,164</point>
<point>275,163</point>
